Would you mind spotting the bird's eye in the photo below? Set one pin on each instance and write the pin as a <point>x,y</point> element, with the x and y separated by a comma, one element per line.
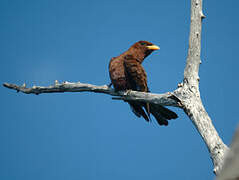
<point>143,43</point>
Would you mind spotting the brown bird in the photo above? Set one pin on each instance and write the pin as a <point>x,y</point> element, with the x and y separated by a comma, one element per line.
<point>127,73</point>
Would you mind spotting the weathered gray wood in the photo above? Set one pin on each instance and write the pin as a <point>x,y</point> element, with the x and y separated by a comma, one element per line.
<point>189,93</point>
<point>195,110</point>
<point>166,99</point>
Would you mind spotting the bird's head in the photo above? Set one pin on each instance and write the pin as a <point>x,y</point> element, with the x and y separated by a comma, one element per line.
<point>143,49</point>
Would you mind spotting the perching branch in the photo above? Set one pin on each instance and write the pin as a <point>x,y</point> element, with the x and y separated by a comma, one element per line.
<point>187,96</point>
<point>167,99</point>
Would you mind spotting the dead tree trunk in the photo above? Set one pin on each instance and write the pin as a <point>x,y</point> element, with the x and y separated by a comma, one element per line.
<point>189,93</point>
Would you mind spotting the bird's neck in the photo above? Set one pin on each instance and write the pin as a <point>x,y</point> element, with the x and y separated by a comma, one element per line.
<point>137,54</point>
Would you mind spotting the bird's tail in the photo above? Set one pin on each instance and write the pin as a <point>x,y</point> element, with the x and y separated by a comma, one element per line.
<point>138,110</point>
<point>162,114</point>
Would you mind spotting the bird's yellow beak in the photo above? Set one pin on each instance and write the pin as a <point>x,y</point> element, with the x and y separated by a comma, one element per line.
<point>153,47</point>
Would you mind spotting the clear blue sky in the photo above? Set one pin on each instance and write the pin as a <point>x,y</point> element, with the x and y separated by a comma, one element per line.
<point>89,136</point>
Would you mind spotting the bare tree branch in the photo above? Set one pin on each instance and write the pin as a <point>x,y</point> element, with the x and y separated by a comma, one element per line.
<point>167,99</point>
<point>187,96</point>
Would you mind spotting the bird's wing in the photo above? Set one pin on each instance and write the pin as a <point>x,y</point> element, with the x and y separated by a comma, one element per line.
<point>117,74</point>
<point>137,80</point>
<point>135,74</point>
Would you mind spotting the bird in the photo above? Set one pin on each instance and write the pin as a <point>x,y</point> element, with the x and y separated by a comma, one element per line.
<point>127,73</point>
